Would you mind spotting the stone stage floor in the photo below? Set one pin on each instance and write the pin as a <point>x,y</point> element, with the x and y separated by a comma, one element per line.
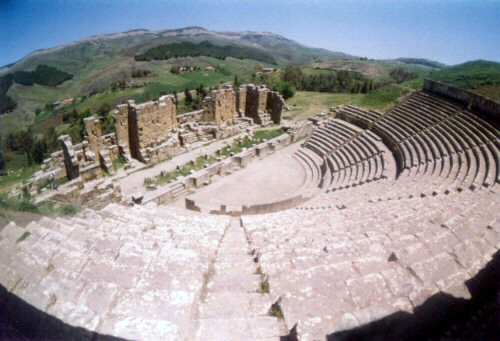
<point>273,178</point>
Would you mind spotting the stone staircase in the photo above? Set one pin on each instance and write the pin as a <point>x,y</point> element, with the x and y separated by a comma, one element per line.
<point>178,190</point>
<point>142,272</point>
<point>235,302</point>
<point>188,138</point>
<point>244,122</point>
<point>106,161</point>
<point>265,119</point>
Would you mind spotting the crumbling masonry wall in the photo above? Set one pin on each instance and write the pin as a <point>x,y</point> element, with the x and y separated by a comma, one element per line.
<point>274,106</point>
<point>145,130</point>
<point>93,134</point>
<point>259,100</point>
<point>220,106</point>
<point>241,100</point>
<point>70,160</point>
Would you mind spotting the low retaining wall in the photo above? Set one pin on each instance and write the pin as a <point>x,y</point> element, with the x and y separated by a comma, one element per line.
<point>483,106</point>
<point>166,195</point>
<point>250,209</point>
<point>193,116</point>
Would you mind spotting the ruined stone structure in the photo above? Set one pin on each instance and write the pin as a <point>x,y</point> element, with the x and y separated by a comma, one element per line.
<point>401,241</point>
<point>220,106</point>
<point>147,131</point>
<point>151,132</point>
<point>256,102</point>
<point>260,104</point>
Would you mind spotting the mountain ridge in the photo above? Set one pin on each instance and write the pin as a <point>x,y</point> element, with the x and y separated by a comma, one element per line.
<point>250,38</point>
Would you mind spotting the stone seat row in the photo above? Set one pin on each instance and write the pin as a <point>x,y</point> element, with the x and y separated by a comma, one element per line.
<point>352,155</point>
<point>313,174</point>
<point>417,148</point>
<point>114,270</point>
<point>341,269</point>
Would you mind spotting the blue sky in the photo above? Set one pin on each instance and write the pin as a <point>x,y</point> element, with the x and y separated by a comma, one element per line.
<point>450,31</point>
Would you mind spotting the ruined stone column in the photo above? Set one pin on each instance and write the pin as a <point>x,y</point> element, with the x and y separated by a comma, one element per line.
<point>241,100</point>
<point>220,106</point>
<point>168,113</point>
<point>93,133</point>
<point>121,125</point>
<point>275,105</point>
<point>252,103</point>
<point>70,160</point>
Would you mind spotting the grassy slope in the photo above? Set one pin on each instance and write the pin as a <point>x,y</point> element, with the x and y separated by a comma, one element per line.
<point>310,103</point>
<point>481,77</point>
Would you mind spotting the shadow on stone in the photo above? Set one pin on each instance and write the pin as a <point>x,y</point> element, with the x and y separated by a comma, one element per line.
<point>442,316</point>
<point>21,321</point>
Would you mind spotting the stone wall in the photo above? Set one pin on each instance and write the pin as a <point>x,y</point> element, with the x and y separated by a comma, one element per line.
<point>300,130</point>
<point>257,100</point>
<point>147,129</point>
<point>70,160</point>
<point>93,134</point>
<point>241,100</point>
<point>220,106</point>
<point>274,106</point>
<point>122,125</point>
<point>483,106</point>
<point>193,116</point>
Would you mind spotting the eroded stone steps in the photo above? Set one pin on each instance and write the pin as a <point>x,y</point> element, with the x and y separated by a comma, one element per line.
<point>236,303</point>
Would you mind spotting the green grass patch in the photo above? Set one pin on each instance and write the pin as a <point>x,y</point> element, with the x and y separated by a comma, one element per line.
<point>268,134</point>
<point>49,208</point>
<point>235,148</point>
<point>46,208</point>
<point>480,76</point>
<point>119,162</point>
<point>275,311</point>
<point>264,287</point>
<point>23,237</point>
<point>18,171</point>
<point>385,97</point>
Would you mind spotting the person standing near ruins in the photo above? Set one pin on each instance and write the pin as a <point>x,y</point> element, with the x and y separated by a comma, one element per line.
<point>53,180</point>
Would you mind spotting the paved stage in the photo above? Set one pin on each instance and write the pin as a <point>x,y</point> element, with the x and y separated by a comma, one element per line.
<point>273,178</point>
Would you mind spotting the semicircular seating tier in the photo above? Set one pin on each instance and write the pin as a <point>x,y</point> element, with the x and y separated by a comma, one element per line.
<point>426,144</point>
<point>402,236</point>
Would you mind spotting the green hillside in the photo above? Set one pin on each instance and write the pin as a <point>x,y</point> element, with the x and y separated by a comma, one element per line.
<point>481,77</point>
<point>205,48</point>
<point>98,63</point>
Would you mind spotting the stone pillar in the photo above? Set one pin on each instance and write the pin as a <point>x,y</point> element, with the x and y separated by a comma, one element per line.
<point>262,98</point>
<point>252,103</point>
<point>168,113</point>
<point>275,105</point>
<point>220,106</point>
<point>93,133</point>
<point>122,125</point>
<point>70,160</point>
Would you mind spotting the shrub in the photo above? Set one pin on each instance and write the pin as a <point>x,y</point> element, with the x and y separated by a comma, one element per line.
<point>39,151</point>
<point>27,206</point>
<point>69,210</point>
<point>286,89</point>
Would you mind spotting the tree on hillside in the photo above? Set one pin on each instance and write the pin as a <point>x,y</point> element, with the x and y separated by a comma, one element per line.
<point>39,151</point>
<point>2,163</point>
<point>104,109</point>
<point>401,75</point>
<point>2,160</point>
<point>11,141</point>
<point>236,81</point>
<point>286,89</point>
<point>293,74</point>
<point>51,140</point>
<point>176,100</point>
<point>26,144</point>
<point>188,97</point>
